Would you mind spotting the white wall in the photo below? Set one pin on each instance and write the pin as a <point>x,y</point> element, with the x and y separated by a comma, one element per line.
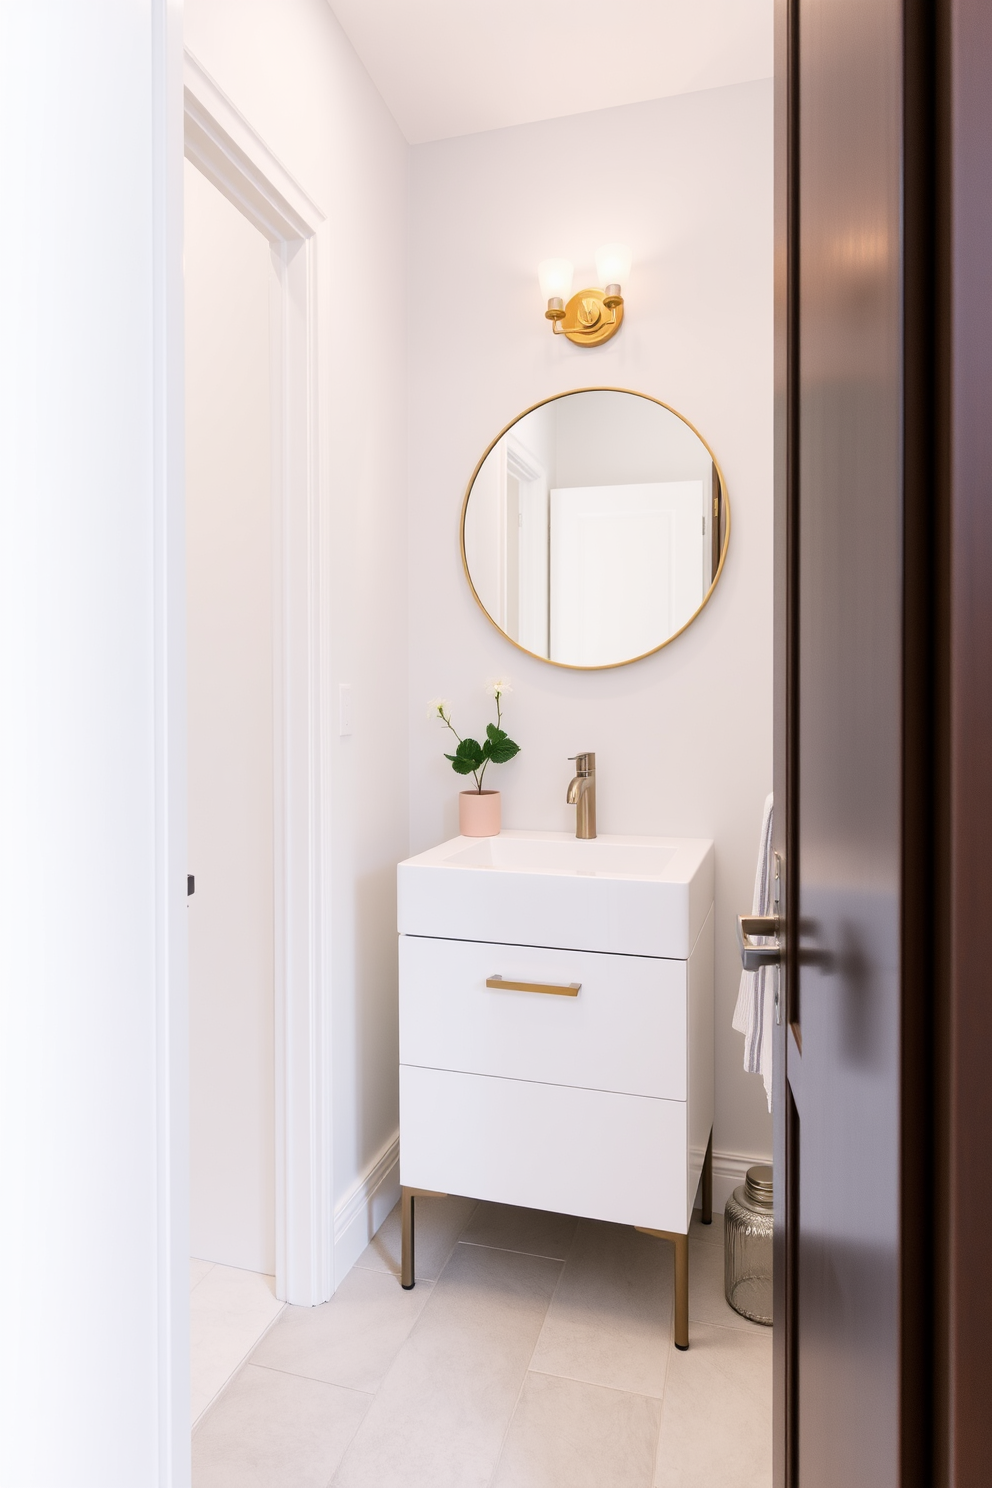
<point>93,1326</point>
<point>290,71</point>
<point>683,739</point>
<point>229,646</point>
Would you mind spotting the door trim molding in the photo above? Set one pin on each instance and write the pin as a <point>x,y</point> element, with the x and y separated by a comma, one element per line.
<point>223,145</point>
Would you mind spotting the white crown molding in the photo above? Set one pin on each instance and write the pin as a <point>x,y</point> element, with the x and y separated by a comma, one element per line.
<point>223,145</point>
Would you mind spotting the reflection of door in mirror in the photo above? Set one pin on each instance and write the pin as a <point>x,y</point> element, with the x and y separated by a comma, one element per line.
<point>526,508</point>
<point>506,542</point>
<point>594,527</point>
<point>629,563</point>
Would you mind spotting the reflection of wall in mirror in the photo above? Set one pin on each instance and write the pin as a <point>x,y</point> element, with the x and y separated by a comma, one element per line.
<point>627,568</point>
<point>609,438</point>
<point>485,533</point>
<point>506,529</point>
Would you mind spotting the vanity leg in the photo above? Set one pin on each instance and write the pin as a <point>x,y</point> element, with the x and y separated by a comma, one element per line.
<point>407,1196</point>
<point>681,1291</point>
<point>681,1243</point>
<point>707,1194</point>
<point>407,1278</point>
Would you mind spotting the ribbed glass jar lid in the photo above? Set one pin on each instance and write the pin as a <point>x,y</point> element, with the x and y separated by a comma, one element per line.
<point>758,1187</point>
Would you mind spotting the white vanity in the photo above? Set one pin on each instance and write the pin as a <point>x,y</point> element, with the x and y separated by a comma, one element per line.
<point>556,1028</point>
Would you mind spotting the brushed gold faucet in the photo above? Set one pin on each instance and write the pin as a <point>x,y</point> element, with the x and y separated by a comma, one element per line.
<point>581,794</point>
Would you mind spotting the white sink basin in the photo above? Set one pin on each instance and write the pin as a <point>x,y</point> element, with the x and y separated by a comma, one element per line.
<point>639,896</point>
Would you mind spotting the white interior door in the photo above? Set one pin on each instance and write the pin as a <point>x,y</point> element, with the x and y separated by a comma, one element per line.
<point>228,273</point>
<point>626,567</point>
<point>530,534</point>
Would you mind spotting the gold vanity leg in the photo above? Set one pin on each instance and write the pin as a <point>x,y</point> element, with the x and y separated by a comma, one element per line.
<point>407,1278</point>
<point>681,1291</point>
<point>681,1243</point>
<point>407,1265</point>
<point>707,1195</point>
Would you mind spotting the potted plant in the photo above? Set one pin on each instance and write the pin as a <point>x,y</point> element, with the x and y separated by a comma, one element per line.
<point>479,809</point>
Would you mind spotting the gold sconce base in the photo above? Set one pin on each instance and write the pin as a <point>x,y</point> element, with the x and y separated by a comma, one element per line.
<point>588,320</point>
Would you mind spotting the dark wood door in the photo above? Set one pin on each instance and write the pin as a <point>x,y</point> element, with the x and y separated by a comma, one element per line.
<point>854,608</point>
<point>962,1357</point>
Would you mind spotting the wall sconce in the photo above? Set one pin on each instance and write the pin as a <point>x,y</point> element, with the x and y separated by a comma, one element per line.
<point>593,315</point>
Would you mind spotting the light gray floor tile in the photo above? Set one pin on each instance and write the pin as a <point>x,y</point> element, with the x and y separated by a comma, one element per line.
<point>707,1302</point>
<point>565,1434</point>
<point>439,1417</point>
<point>271,1430</point>
<point>198,1270</point>
<point>351,1340</point>
<point>438,1224</point>
<point>712,1232</point>
<point>229,1310</point>
<point>716,1420</point>
<point>532,1231</point>
<point>610,1322</point>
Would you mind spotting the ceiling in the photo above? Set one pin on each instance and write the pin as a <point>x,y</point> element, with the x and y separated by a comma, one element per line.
<point>449,67</point>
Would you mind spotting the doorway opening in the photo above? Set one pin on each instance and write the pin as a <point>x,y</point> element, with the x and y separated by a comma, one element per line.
<point>260,1195</point>
<point>230,774</point>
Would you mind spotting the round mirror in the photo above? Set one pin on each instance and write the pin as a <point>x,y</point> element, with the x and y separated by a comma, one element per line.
<point>595,527</point>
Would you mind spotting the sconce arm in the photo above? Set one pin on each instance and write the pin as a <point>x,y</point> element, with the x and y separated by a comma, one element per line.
<point>578,330</point>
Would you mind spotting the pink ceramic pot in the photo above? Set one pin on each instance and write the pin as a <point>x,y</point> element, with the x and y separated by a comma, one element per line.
<point>478,813</point>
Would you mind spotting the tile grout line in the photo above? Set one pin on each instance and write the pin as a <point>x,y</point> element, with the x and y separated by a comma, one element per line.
<point>432,1282</point>
<point>429,1281</point>
<point>547,1314</point>
<point>669,1353</point>
<point>237,1369</point>
<point>313,1380</point>
<point>510,1250</point>
<point>573,1379</point>
<point>210,1266</point>
<point>750,1332</point>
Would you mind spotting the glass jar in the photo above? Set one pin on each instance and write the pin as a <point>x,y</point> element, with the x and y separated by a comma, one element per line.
<point>747,1240</point>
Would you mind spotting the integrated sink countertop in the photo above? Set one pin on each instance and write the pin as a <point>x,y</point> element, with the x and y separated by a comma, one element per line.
<point>641,896</point>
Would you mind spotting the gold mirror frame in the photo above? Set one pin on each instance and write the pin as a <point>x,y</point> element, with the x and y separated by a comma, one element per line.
<point>607,666</point>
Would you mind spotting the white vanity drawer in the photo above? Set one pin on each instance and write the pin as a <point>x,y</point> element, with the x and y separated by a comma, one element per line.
<point>624,1031</point>
<point>586,1152</point>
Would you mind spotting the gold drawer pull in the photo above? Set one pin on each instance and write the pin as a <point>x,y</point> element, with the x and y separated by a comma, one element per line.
<point>555,988</point>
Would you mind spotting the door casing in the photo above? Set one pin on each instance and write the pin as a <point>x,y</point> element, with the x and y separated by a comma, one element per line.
<point>221,143</point>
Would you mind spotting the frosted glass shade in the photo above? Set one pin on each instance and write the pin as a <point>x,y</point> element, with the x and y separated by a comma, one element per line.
<point>613,263</point>
<point>555,275</point>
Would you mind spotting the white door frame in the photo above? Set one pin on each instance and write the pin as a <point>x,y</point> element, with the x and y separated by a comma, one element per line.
<point>221,143</point>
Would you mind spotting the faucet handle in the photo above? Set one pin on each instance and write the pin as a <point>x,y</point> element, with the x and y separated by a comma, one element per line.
<point>585,764</point>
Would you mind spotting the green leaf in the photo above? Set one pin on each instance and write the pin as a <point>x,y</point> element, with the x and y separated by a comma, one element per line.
<point>503,751</point>
<point>495,735</point>
<point>467,757</point>
<point>460,766</point>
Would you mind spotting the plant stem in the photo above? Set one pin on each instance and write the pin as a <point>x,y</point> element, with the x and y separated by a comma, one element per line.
<point>499,717</point>
<point>447,723</point>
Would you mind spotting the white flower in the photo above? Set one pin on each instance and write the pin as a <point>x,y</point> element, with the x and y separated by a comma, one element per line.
<point>500,687</point>
<point>439,708</point>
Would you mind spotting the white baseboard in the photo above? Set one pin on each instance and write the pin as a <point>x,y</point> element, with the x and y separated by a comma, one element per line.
<point>729,1169</point>
<point>362,1210</point>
